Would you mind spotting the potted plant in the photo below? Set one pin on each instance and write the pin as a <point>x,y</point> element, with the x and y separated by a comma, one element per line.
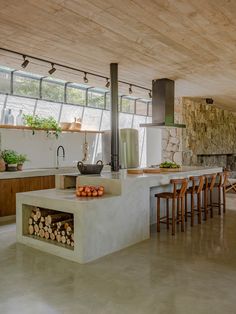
<point>21,160</point>
<point>11,159</point>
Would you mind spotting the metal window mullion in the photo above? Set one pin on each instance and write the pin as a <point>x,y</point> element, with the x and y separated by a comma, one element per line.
<point>105,100</point>
<point>86,97</point>
<point>40,87</point>
<point>3,108</point>
<point>35,107</point>
<point>11,82</point>
<point>60,113</point>
<point>142,146</point>
<point>135,106</point>
<point>121,103</point>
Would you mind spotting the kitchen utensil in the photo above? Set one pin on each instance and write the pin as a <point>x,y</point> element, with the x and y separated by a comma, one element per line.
<point>90,168</point>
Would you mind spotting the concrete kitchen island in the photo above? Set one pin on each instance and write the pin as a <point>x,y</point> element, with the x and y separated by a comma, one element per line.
<point>102,225</point>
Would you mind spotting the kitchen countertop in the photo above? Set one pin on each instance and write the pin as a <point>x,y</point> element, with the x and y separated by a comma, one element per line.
<point>37,172</point>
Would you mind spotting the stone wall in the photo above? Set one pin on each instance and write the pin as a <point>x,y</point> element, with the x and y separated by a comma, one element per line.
<point>172,137</point>
<point>209,131</point>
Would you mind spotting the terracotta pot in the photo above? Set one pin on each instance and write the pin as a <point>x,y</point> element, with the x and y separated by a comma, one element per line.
<point>19,167</point>
<point>2,165</point>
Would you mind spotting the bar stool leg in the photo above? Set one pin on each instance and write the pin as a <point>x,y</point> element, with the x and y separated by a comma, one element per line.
<point>219,200</point>
<point>158,214</point>
<point>211,204</point>
<point>199,208</point>
<point>206,201</point>
<point>186,207</point>
<point>173,216</point>
<point>224,203</point>
<point>178,211</point>
<point>167,214</point>
<point>182,214</point>
<point>192,210</point>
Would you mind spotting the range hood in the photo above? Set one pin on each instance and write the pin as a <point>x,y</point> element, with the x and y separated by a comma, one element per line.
<point>163,94</point>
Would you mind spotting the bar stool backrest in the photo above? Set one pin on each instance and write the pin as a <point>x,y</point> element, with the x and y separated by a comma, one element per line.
<point>197,181</point>
<point>210,180</point>
<point>182,189</point>
<point>223,178</point>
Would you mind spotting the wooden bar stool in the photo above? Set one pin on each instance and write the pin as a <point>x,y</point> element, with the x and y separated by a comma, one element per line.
<point>210,180</point>
<point>195,189</point>
<point>177,194</point>
<point>221,183</point>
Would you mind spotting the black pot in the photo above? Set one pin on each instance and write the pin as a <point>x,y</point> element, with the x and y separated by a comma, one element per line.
<point>11,167</point>
<point>90,168</point>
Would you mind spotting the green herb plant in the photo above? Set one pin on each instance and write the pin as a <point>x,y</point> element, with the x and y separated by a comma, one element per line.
<point>169,164</point>
<point>9,156</point>
<point>22,159</point>
<point>48,124</point>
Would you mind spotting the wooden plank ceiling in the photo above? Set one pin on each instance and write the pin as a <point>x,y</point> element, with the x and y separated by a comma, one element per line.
<point>192,42</point>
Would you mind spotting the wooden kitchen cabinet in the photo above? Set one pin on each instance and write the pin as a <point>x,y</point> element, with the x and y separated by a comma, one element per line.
<point>9,188</point>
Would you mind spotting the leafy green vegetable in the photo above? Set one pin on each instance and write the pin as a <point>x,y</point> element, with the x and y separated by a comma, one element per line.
<point>169,164</point>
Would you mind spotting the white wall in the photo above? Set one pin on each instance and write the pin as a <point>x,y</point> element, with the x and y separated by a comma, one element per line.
<point>41,150</point>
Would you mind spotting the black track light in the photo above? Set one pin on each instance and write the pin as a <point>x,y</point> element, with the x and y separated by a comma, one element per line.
<point>130,89</point>
<point>25,62</point>
<point>85,78</point>
<point>107,83</point>
<point>150,94</point>
<point>52,70</point>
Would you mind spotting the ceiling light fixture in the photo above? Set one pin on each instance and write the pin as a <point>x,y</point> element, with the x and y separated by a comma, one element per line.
<point>85,78</point>
<point>150,94</point>
<point>130,89</point>
<point>107,83</point>
<point>25,62</point>
<point>56,64</point>
<point>52,70</point>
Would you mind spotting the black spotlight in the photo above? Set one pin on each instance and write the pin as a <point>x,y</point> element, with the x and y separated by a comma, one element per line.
<point>209,101</point>
<point>107,83</point>
<point>52,70</point>
<point>85,78</point>
<point>25,62</point>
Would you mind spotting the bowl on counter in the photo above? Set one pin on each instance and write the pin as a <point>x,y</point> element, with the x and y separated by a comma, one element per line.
<point>90,168</point>
<point>65,126</point>
<point>75,126</point>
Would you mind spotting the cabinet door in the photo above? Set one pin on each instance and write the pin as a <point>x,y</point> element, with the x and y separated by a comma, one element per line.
<point>9,188</point>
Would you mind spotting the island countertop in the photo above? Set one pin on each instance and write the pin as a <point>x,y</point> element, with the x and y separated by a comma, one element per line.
<point>102,225</point>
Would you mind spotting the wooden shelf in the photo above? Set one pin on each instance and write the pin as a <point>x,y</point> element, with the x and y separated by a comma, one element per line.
<point>23,127</point>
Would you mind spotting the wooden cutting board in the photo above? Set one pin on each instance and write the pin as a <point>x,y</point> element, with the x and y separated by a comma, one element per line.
<point>135,171</point>
<point>151,170</point>
<point>170,169</point>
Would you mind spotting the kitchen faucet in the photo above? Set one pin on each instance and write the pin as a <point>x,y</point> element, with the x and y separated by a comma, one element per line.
<point>63,154</point>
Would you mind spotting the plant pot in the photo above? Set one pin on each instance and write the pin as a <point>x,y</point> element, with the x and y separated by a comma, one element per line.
<point>19,167</point>
<point>11,167</point>
<point>2,165</point>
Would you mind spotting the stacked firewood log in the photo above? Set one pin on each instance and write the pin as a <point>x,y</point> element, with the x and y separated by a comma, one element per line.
<point>52,225</point>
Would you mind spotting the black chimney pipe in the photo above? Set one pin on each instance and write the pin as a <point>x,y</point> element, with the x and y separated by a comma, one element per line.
<point>115,164</point>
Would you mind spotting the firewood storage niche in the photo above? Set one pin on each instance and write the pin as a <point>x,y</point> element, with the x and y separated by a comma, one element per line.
<point>54,227</point>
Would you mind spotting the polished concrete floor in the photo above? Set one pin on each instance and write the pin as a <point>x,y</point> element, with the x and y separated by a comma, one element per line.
<point>191,273</point>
